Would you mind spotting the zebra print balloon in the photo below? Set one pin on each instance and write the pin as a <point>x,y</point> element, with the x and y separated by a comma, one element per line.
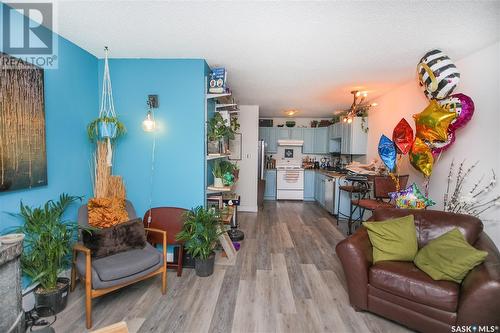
<point>437,74</point>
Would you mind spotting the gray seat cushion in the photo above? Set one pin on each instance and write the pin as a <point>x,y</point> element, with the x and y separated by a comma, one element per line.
<point>121,267</point>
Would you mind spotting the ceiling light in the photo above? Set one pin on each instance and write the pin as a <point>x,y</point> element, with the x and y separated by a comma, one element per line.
<point>290,113</point>
<point>358,107</point>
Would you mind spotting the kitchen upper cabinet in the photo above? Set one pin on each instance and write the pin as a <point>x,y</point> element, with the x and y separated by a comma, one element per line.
<point>270,190</point>
<point>308,137</point>
<point>273,141</point>
<point>269,135</point>
<point>321,140</point>
<point>296,134</point>
<point>354,139</point>
<point>345,147</point>
<point>316,140</point>
<point>335,131</point>
<point>309,182</point>
<point>283,133</point>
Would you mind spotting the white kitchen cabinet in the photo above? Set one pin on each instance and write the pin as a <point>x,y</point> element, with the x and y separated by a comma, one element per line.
<point>335,131</point>
<point>354,139</point>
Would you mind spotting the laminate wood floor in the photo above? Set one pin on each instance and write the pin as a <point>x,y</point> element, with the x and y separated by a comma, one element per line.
<point>286,278</point>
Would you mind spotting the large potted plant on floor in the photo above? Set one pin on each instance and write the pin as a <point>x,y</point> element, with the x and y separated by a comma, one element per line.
<point>200,234</point>
<point>47,248</point>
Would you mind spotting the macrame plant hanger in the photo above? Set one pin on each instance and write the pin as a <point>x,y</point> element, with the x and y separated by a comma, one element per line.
<point>107,109</point>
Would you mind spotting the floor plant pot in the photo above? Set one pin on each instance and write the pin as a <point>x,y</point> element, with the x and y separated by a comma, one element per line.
<point>53,302</point>
<point>218,182</point>
<point>107,130</point>
<point>204,267</point>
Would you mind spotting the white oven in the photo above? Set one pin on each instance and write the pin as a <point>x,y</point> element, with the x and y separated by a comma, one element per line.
<point>289,183</point>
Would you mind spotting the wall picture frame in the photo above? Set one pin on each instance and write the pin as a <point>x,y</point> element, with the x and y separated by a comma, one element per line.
<point>23,155</point>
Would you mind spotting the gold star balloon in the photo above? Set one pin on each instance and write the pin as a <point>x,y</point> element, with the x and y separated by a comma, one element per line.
<point>432,123</point>
<point>421,157</point>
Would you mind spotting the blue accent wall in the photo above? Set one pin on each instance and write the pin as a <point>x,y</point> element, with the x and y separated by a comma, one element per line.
<point>71,101</point>
<point>178,175</point>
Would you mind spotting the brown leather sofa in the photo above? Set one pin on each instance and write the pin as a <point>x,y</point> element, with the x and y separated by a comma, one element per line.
<point>401,292</point>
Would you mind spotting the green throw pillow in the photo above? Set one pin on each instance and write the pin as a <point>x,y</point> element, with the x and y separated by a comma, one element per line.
<point>394,239</point>
<point>449,257</point>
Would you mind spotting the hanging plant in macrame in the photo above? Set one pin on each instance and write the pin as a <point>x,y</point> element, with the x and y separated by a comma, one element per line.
<point>106,127</point>
<point>104,131</point>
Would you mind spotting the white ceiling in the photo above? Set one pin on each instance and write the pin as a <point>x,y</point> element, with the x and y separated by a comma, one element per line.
<point>283,55</point>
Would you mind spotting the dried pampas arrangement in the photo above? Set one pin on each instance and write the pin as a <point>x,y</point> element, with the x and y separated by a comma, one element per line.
<point>106,185</point>
<point>473,202</point>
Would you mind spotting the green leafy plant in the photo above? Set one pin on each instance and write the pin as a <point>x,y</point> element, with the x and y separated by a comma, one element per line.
<point>93,127</point>
<point>335,119</point>
<point>217,169</point>
<point>217,128</point>
<point>200,232</point>
<point>48,240</point>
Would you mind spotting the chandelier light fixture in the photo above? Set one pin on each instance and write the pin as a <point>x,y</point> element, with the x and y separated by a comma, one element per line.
<point>359,106</point>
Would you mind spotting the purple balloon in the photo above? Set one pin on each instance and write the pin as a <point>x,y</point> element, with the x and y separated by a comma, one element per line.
<point>464,108</point>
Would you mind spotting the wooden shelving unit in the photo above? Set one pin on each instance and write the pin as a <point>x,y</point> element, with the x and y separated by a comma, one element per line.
<point>229,107</point>
<point>212,189</point>
<point>216,156</point>
<point>224,98</point>
<point>223,102</point>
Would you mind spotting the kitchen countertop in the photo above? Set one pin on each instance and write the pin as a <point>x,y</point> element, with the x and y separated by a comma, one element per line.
<point>324,172</point>
<point>327,173</point>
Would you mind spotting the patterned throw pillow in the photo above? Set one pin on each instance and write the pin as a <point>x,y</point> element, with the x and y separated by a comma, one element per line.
<point>106,212</point>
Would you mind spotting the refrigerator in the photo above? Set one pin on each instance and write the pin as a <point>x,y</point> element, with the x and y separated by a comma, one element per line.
<point>261,181</point>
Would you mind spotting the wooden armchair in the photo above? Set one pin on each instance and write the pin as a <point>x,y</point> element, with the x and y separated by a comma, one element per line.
<point>104,275</point>
<point>171,220</point>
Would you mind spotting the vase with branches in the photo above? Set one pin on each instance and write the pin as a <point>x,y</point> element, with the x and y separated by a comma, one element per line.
<point>474,201</point>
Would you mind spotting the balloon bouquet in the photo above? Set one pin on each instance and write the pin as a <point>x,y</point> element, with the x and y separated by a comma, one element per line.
<point>435,126</point>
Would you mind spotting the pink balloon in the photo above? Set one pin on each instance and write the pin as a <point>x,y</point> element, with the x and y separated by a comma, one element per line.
<point>463,105</point>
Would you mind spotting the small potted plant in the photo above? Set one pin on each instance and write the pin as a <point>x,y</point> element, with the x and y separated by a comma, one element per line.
<point>219,133</point>
<point>236,171</point>
<point>200,234</point>
<point>218,172</point>
<point>228,170</point>
<point>105,128</point>
<point>216,132</point>
<point>47,249</point>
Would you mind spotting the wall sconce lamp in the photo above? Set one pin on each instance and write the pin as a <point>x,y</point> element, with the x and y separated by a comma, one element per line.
<point>149,124</point>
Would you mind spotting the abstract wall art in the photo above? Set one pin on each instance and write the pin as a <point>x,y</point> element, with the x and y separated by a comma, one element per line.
<point>23,160</point>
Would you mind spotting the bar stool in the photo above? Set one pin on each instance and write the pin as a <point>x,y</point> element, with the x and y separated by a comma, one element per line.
<point>356,186</point>
<point>382,185</point>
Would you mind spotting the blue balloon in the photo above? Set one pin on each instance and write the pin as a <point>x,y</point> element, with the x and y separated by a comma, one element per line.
<point>387,152</point>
